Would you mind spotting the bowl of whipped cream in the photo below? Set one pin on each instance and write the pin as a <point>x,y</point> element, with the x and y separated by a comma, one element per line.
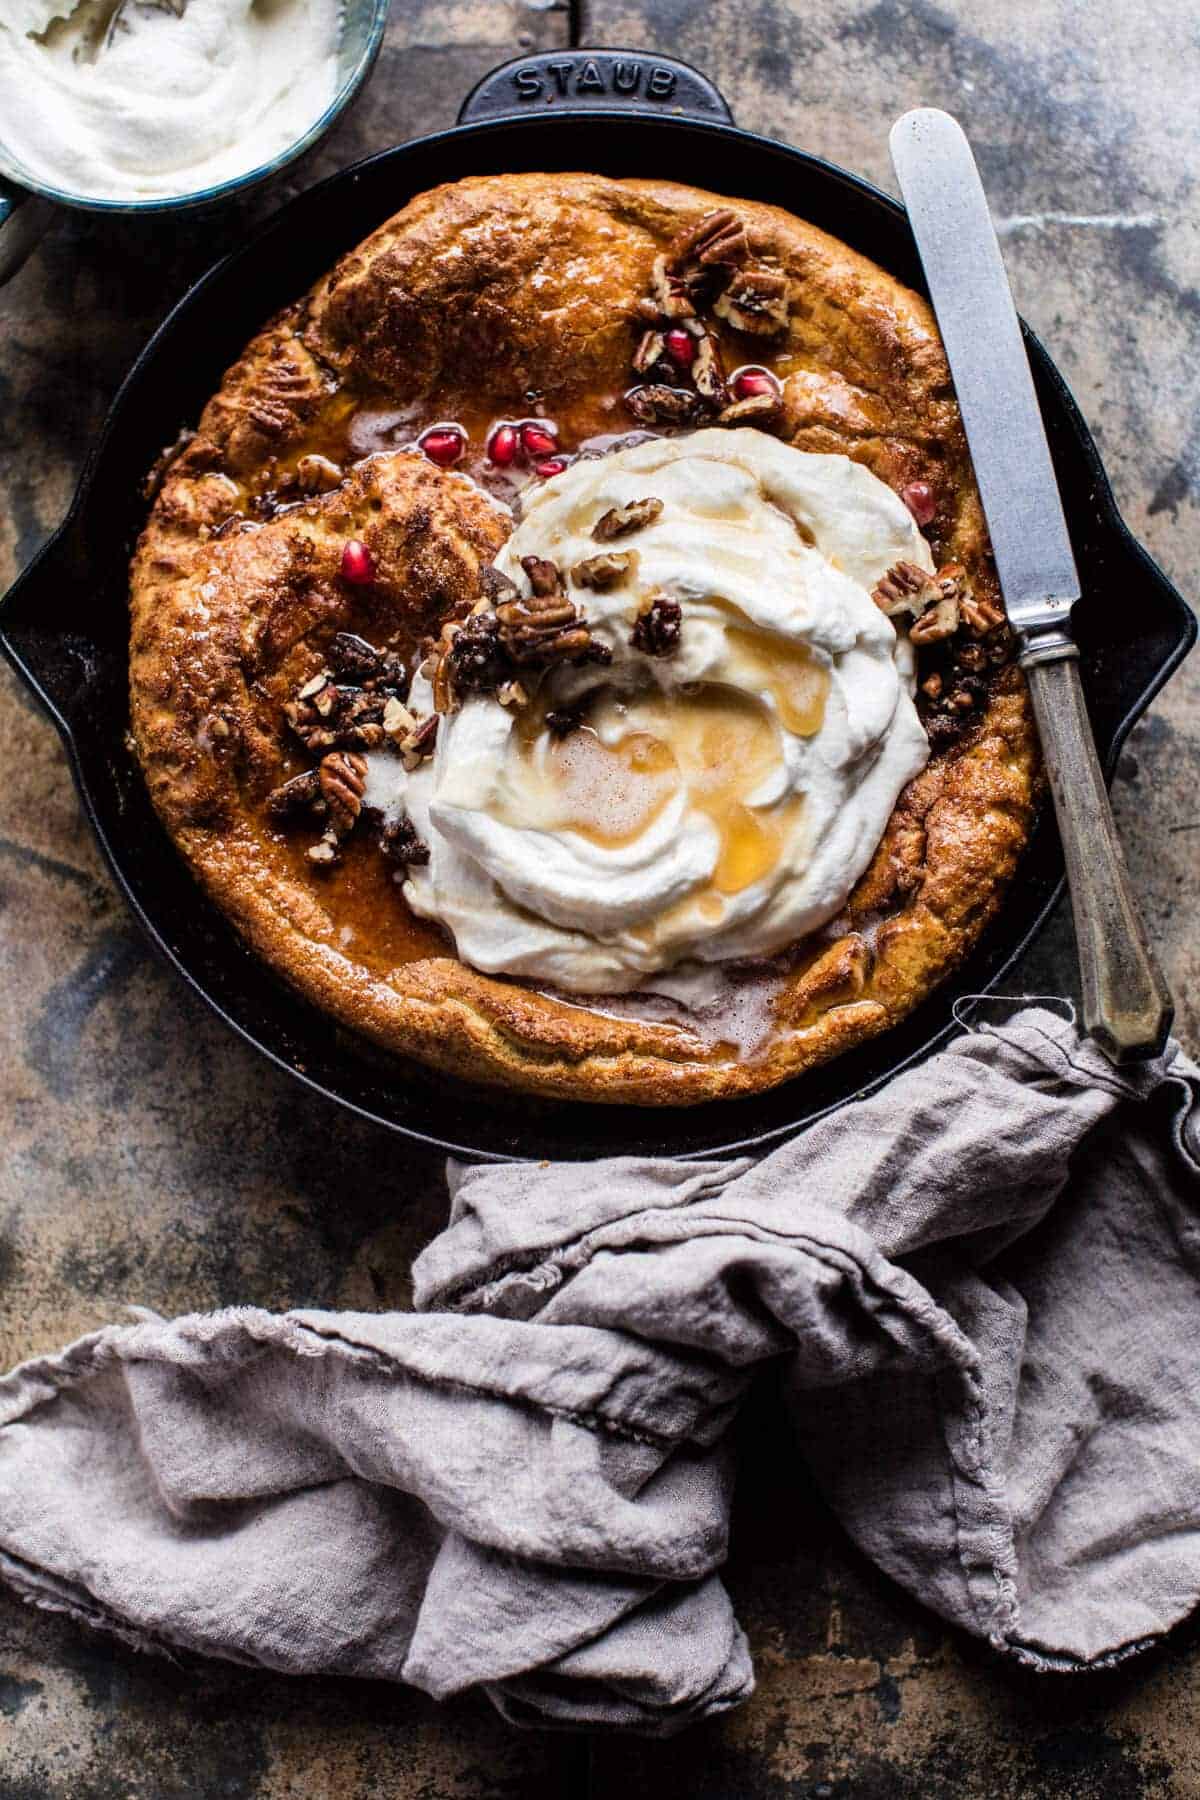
<point>149,105</point>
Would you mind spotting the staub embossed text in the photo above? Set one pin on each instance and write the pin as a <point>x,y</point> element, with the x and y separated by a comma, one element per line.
<point>578,76</point>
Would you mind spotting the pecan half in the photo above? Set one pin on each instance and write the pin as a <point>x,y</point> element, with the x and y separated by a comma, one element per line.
<point>937,622</point>
<point>547,627</point>
<point>343,781</point>
<point>719,238</point>
<point>756,301</point>
<point>906,588</point>
<point>602,572</point>
<point>656,631</point>
<point>658,404</point>
<point>620,521</point>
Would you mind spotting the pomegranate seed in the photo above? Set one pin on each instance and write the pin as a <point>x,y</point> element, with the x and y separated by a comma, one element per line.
<point>503,445</point>
<point>681,347</point>
<point>358,565</point>
<point>538,440</point>
<point>748,382</point>
<point>554,465</point>
<point>444,447</point>
<point>918,497</point>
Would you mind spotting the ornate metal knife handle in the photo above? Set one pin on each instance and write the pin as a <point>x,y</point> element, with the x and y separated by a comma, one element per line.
<point>1127,1005</point>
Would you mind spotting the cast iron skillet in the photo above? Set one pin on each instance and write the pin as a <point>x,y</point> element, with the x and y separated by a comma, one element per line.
<point>64,622</point>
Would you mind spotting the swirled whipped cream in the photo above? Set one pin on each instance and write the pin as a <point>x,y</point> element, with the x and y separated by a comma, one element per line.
<point>718,801</point>
<point>155,98</point>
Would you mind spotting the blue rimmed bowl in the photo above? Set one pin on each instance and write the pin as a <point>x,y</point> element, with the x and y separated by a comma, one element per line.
<point>27,205</point>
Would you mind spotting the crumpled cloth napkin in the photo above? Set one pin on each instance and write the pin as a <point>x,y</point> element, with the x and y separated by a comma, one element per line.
<point>982,1286</point>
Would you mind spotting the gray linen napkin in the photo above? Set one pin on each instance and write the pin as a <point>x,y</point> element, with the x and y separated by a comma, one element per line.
<point>983,1286</point>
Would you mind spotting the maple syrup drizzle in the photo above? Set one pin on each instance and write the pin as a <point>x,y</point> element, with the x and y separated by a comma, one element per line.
<point>608,785</point>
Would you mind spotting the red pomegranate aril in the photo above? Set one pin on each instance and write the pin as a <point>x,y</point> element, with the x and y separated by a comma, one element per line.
<point>750,382</point>
<point>538,440</point>
<point>681,347</point>
<point>443,447</point>
<point>503,446</point>
<point>918,497</point>
<point>358,565</point>
<point>554,465</point>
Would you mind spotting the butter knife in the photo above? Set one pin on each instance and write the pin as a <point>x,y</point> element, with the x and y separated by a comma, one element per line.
<point>1126,1002</point>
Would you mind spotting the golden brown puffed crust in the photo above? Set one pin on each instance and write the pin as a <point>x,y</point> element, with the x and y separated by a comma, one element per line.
<point>460,306</point>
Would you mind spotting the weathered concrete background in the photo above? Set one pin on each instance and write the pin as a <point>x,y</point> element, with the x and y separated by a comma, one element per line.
<point>148,1157</point>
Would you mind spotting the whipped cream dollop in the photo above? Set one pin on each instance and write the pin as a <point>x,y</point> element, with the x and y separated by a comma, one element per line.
<point>718,802</point>
<point>152,105</point>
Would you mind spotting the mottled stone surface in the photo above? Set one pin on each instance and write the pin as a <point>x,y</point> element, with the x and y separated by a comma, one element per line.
<point>149,1157</point>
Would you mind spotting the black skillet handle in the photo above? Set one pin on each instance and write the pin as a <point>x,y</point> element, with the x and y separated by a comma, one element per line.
<point>581,81</point>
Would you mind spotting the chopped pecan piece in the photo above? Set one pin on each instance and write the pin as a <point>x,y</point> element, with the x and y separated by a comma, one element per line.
<point>669,298</point>
<point>317,475</point>
<point>475,661</point>
<point>937,622</point>
<point>397,720</point>
<point>652,347</point>
<point>658,404</point>
<point>496,587</point>
<point>620,521</point>
<point>1001,645</point>
<point>326,716</point>
<point>421,740</point>
<point>755,409</point>
<point>545,578</point>
<point>602,572</point>
<point>657,628</point>
<point>343,781</point>
<point>400,844</point>
<point>981,616</point>
<point>325,851</point>
<point>296,799</point>
<point>354,660</point>
<point>707,372</point>
<point>944,728</point>
<point>563,720</point>
<point>756,301</point>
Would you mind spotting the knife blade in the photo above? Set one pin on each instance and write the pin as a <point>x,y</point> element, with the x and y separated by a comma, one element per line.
<point>948,211</point>
<point>1126,1003</point>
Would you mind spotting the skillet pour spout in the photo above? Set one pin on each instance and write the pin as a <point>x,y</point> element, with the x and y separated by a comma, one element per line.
<point>64,623</point>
